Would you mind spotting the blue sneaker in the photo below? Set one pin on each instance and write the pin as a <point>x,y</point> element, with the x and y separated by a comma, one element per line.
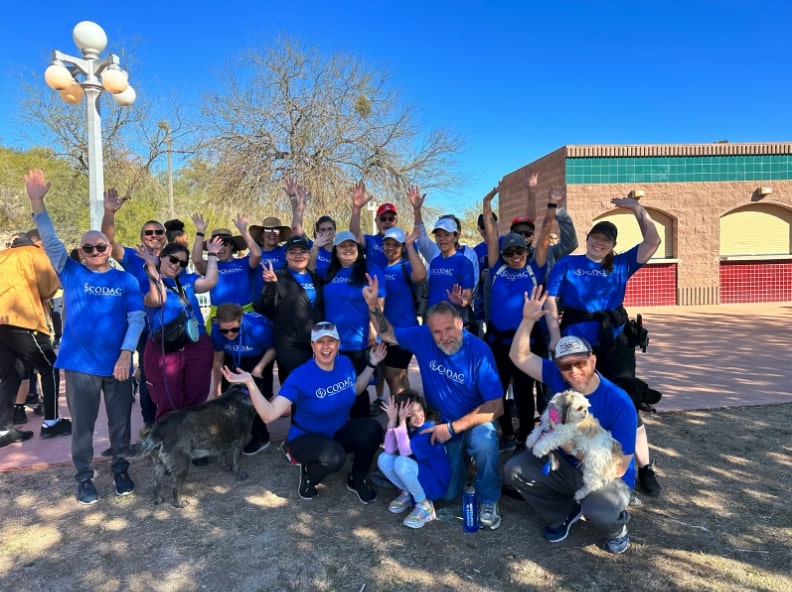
<point>123,484</point>
<point>86,493</point>
<point>556,534</point>
<point>618,544</point>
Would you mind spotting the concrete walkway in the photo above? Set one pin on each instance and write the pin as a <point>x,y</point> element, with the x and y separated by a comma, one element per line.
<point>699,357</point>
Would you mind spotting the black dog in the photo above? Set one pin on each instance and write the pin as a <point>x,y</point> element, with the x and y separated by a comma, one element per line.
<point>219,426</point>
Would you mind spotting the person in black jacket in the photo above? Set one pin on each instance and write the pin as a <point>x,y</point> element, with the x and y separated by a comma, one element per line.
<point>293,299</point>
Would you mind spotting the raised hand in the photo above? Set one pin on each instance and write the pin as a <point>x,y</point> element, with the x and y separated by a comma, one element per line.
<point>555,195</point>
<point>113,203</point>
<point>200,224</point>
<point>389,407</point>
<point>359,196</point>
<point>214,245</point>
<point>625,202</point>
<point>268,273</point>
<point>530,178</point>
<point>415,197</point>
<point>371,291</point>
<point>378,353</point>
<point>241,223</point>
<point>36,185</point>
<point>404,411</point>
<point>455,295</point>
<point>149,258</point>
<point>410,238</point>
<point>323,239</point>
<point>290,186</point>
<point>533,308</point>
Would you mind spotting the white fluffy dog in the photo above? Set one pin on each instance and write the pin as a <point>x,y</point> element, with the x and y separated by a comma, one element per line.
<point>574,424</point>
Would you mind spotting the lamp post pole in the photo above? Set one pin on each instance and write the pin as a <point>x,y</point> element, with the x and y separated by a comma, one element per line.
<point>64,75</point>
<point>163,125</point>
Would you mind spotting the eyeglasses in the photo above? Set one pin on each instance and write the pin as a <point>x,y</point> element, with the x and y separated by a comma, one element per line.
<point>230,330</point>
<point>271,229</point>
<point>580,364</point>
<point>297,252</point>
<point>514,252</point>
<point>173,259</point>
<point>387,218</point>
<point>525,233</point>
<point>89,249</point>
<point>157,231</point>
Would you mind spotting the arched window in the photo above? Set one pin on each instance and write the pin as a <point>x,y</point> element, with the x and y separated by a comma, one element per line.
<point>630,233</point>
<point>756,229</point>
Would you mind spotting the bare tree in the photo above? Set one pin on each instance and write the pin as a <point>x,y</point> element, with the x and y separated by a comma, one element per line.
<point>329,120</point>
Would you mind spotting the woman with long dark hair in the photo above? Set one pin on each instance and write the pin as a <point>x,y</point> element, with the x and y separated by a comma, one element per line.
<point>178,375</point>
<point>346,307</point>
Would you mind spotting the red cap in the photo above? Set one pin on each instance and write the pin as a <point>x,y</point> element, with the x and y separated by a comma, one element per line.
<point>386,207</point>
<point>522,220</point>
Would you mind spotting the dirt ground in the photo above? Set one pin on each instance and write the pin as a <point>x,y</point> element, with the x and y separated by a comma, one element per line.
<point>723,523</point>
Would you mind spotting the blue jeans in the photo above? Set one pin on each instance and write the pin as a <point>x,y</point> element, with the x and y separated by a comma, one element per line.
<point>480,443</point>
<point>403,473</point>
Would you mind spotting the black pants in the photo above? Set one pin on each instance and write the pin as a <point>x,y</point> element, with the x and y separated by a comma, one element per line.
<point>258,431</point>
<point>325,456</point>
<point>362,406</point>
<point>523,393</point>
<point>21,349</point>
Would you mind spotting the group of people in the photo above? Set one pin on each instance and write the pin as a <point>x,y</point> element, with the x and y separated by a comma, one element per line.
<point>328,312</point>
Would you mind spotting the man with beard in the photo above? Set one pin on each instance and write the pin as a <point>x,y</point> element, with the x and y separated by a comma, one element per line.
<point>460,381</point>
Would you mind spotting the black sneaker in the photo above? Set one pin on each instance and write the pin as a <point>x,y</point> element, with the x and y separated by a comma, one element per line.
<point>32,399</point>
<point>360,487</point>
<point>15,435</point>
<point>559,533</point>
<point>255,446</point>
<point>123,484</point>
<point>86,493</point>
<point>20,416</point>
<point>63,427</point>
<point>648,481</point>
<point>306,489</point>
<point>39,409</point>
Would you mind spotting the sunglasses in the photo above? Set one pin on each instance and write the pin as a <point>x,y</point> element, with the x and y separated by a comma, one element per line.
<point>514,252</point>
<point>272,230</point>
<point>324,325</point>
<point>525,232</point>
<point>580,364</point>
<point>173,259</point>
<point>230,330</point>
<point>158,232</point>
<point>89,249</point>
<point>387,218</point>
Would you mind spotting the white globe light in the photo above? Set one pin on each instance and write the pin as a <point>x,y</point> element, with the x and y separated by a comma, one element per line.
<point>89,35</point>
<point>125,98</point>
<point>73,94</point>
<point>57,76</point>
<point>114,80</point>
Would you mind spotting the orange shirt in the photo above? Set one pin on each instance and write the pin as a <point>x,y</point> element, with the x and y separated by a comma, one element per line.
<point>27,280</point>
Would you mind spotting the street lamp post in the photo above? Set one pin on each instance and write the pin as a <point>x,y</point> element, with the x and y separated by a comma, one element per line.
<point>64,75</point>
<point>163,125</point>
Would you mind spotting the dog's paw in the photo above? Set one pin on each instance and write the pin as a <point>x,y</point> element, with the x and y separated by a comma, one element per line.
<point>180,504</point>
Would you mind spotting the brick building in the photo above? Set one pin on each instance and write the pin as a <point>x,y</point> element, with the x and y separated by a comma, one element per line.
<point>724,212</point>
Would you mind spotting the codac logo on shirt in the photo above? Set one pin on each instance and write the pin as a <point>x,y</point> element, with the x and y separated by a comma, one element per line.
<point>442,271</point>
<point>102,290</point>
<point>457,377</point>
<point>600,272</point>
<point>333,389</point>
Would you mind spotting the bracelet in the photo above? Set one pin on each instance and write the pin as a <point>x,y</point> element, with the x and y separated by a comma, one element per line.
<point>199,234</point>
<point>370,365</point>
<point>450,426</point>
<point>211,254</point>
<point>552,205</point>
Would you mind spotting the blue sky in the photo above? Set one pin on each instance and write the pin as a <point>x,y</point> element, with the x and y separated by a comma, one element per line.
<point>514,79</point>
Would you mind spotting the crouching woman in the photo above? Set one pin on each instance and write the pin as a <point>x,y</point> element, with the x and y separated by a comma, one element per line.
<point>323,391</point>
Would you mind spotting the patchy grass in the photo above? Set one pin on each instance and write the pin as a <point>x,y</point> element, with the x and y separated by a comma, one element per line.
<point>723,523</point>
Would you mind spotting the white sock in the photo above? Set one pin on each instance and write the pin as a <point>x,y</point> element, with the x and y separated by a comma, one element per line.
<point>50,422</point>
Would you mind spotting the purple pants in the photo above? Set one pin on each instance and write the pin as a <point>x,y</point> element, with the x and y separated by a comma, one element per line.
<point>181,378</point>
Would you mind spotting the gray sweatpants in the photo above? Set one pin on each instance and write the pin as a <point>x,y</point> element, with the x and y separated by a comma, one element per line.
<point>82,394</point>
<point>553,495</point>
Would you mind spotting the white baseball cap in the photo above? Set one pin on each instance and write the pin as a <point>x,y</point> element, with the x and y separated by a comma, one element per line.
<point>396,234</point>
<point>572,346</point>
<point>324,329</point>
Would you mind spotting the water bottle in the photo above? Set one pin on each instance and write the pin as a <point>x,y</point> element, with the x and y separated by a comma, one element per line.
<point>470,514</point>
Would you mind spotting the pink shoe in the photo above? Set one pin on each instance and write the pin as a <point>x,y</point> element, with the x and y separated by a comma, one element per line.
<point>422,513</point>
<point>401,503</point>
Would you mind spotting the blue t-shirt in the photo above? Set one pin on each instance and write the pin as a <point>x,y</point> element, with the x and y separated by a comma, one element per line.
<point>444,272</point>
<point>235,282</point>
<point>252,341</point>
<point>97,305</point>
<point>306,281</point>
<point>578,282</point>
<point>374,252</point>
<point>399,308</point>
<point>508,289</point>
<point>346,307</point>
<point>324,398</point>
<point>612,407</point>
<point>453,385</point>
<point>162,315</point>
<point>434,469</point>
<point>323,259</point>
<point>136,266</point>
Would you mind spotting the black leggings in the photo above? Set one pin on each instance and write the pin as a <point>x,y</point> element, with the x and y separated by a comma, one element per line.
<point>324,456</point>
<point>523,393</point>
<point>617,361</point>
<point>362,406</point>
